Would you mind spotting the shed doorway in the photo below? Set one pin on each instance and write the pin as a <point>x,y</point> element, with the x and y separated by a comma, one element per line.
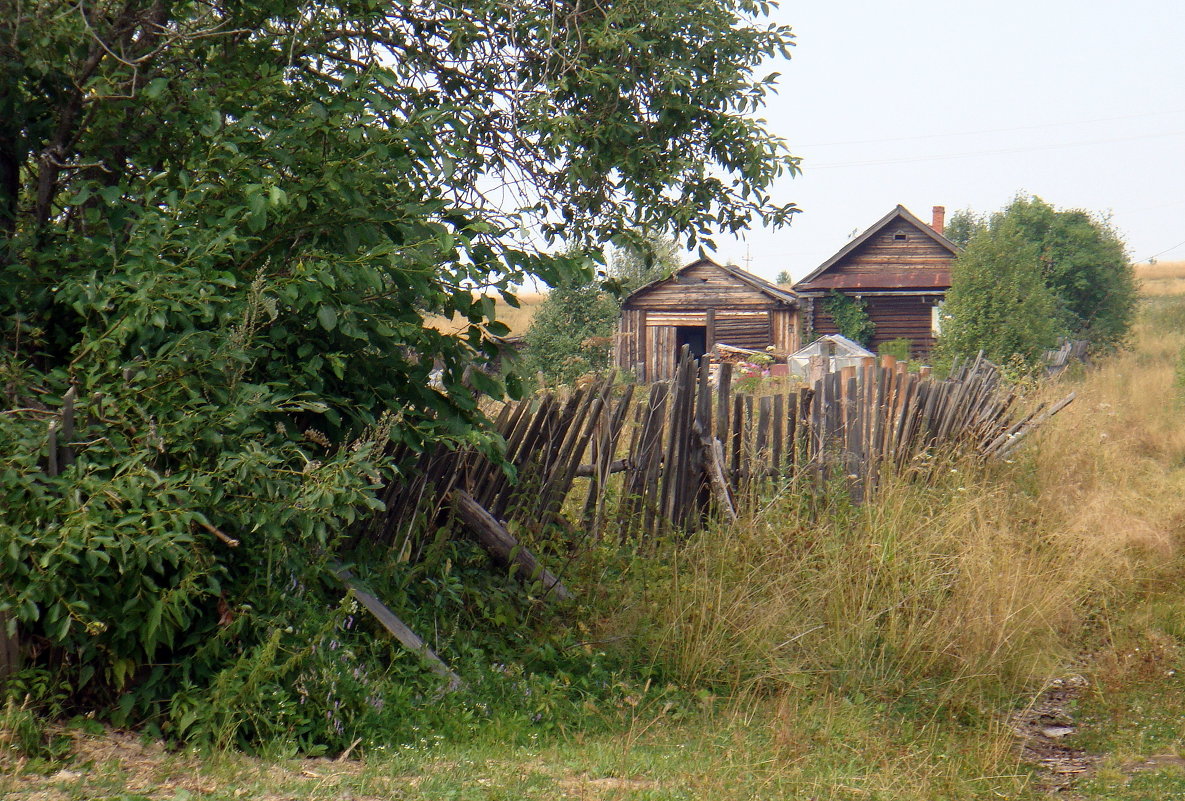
<point>695,337</point>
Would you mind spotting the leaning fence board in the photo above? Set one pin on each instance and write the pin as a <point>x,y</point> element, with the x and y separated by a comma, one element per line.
<point>667,455</point>
<point>398,629</point>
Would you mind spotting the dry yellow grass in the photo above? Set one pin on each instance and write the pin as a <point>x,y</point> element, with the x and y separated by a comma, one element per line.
<point>979,584</point>
<point>1162,278</point>
<point>518,320</point>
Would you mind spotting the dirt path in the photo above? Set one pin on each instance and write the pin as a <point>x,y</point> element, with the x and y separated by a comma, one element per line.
<point>1041,730</point>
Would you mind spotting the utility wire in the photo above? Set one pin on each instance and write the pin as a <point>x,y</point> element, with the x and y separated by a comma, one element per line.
<point>996,130</point>
<point>1161,253</point>
<point>1006,151</point>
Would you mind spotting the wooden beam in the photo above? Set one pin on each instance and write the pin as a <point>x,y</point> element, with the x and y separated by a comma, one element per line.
<point>503,546</point>
<point>398,629</point>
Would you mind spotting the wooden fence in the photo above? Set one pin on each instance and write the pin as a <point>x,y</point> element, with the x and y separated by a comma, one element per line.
<point>665,457</point>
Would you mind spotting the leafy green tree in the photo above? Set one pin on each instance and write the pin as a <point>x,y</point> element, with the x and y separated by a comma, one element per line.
<point>962,225</point>
<point>222,225</point>
<point>642,260</point>
<point>784,278</point>
<point>572,332</point>
<point>1085,265</point>
<point>1082,262</point>
<point>998,301</point>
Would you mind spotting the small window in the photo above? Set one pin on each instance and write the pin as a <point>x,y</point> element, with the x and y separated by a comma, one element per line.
<point>936,318</point>
<point>900,236</point>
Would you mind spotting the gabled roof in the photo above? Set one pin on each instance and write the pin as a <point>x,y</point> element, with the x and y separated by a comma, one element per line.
<point>910,278</point>
<point>760,284</point>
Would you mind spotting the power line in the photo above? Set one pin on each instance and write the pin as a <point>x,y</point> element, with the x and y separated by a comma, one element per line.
<point>996,130</point>
<point>1161,253</point>
<point>1001,152</point>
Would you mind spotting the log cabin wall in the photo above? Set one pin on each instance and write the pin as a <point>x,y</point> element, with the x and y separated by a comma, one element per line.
<point>729,305</point>
<point>894,317</point>
<point>900,267</point>
<point>744,329</point>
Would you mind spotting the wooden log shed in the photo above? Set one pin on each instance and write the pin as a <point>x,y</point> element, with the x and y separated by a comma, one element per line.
<point>702,305</point>
<point>900,267</point>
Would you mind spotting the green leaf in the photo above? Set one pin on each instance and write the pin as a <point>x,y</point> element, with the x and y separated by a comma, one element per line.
<point>327,316</point>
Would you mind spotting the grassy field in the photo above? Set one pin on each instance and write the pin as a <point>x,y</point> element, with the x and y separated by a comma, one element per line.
<point>823,651</point>
<point>1161,279</point>
<point>517,319</point>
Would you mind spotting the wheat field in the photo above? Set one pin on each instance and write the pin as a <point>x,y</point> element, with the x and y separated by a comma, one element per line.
<point>518,320</point>
<point>1161,279</point>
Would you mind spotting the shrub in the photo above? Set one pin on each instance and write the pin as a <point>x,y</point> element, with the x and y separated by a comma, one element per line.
<point>1090,287</point>
<point>998,301</point>
<point>898,348</point>
<point>572,332</point>
<point>850,316</point>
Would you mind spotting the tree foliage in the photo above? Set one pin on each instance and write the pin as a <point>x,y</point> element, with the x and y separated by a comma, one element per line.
<point>222,224</point>
<point>850,316</point>
<point>572,332</point>
<point>643,260</point>
<point>998,301</point>
<point>1081,261</point>
<point>1085,265</point>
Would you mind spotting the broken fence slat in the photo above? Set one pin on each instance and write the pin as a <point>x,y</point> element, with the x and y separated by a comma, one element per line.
<point>398,629</point>
<point>503,546</point>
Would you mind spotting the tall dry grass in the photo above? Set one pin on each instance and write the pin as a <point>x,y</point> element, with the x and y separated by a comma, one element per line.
<point>517,319</point>
<point>1162,278</point>
<point>980,584</point>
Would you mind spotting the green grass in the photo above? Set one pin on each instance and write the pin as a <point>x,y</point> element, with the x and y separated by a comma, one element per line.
<point>827,747</point>
<point>1134,716</point>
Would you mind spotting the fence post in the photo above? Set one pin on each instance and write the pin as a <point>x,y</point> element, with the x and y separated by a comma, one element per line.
<point>10,650</point>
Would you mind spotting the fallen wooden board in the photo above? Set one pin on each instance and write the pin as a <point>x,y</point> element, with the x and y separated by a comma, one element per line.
<point>502,545</point>
<point>399,630</point>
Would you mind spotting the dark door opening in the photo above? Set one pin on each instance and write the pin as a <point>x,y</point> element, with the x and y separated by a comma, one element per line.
<point>695,337</point>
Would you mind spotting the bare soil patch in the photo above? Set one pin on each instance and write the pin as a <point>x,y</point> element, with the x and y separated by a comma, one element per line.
<point>1042,728</point>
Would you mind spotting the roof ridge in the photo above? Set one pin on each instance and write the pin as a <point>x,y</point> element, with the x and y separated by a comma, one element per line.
<point>756,281</point>
<point>897,211</point>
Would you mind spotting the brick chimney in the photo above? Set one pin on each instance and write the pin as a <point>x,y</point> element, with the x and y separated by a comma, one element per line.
<point>939,219</point>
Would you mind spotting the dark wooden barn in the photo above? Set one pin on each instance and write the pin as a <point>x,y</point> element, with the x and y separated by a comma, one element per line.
<point>702,305</point>
<point>900,267</point>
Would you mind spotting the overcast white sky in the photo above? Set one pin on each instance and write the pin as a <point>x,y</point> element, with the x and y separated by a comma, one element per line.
<point>963,105</point>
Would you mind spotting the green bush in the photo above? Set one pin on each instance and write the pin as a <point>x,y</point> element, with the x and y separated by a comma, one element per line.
<point>224,234</point>
<point>572,332</point>
<point>998,301</point>
<point>850,316</point>
<point>1089,285</point>
<point>897,348</point>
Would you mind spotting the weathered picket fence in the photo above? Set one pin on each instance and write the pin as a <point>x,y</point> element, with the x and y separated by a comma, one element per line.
<point>665,457</point>
<point>1069,352</point>
<point>661,458</point>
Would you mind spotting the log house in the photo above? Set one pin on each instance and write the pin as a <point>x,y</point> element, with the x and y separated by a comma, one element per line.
<point>702,305</point>
<point>900,267</point>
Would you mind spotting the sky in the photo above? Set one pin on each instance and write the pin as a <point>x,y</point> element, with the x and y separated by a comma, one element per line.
<point>965,105</point>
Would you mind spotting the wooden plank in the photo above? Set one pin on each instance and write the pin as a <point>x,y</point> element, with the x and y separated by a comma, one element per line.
<point>66,449</point>
<point>651,492</point>
<point>723,400</point>
<point>671,464</point>
<point>738,441</point>
<point>776,436</point>
<point>398,629</point>
<point>762,451</point>
<point>503,546</point>
<point>10,649</point>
